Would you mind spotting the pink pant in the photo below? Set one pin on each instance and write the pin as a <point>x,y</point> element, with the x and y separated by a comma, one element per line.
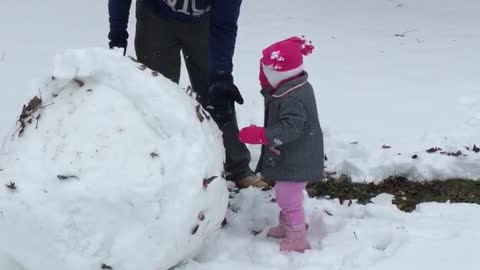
<point>290,199</point>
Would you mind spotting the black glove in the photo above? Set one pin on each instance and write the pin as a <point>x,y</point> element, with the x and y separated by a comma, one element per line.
<point>222,96</point>
<point>118,40</point>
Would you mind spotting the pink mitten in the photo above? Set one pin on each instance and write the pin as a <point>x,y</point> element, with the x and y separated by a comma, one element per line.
<point>253,135</point>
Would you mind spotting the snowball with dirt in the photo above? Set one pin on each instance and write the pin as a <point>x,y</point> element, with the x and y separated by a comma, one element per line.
<point>110,164</point>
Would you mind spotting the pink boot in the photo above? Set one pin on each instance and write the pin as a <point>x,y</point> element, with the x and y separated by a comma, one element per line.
<point>296,239</point>
<point>278,231</point>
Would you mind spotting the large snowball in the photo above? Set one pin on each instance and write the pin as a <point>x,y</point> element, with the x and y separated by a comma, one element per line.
<point>110,169</point>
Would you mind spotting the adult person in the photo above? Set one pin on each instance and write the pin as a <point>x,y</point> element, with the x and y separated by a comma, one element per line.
<point>204,31</point>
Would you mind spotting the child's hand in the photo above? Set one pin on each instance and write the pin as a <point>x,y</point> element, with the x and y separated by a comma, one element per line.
<point>253,135</point>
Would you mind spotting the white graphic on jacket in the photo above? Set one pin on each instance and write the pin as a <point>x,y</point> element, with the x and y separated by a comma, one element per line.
<point>189,7</point>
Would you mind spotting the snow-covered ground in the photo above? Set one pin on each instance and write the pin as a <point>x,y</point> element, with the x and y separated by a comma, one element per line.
<point>375,88</point>
<point>397,73</point>
<point>373,237</point>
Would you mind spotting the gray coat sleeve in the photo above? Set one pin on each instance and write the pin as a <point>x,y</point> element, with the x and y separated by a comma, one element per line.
<point>292,118</point>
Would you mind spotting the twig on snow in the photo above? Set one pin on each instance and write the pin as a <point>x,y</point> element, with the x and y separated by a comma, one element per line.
<point>405,33</point>
<point>50,104</point>
<point>67,177</point>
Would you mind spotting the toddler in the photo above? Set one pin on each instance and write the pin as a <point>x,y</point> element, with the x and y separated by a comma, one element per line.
<point>292,139</point>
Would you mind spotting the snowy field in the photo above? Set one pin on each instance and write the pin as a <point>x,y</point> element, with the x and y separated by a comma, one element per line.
<point>402,74</point>
<point>373,237</point>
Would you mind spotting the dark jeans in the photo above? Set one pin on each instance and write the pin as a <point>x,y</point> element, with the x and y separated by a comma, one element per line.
<point>158,43</point>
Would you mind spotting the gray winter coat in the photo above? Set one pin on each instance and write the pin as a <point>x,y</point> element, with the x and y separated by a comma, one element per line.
<point>293,130</point>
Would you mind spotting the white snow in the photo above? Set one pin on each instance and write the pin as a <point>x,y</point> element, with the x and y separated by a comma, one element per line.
<point>134,145</point>
<point>372,87</point>
<point>413,91</point>
<point>374,236</point>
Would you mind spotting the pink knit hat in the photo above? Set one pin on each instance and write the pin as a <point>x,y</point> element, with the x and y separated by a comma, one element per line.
<point>284,60</point>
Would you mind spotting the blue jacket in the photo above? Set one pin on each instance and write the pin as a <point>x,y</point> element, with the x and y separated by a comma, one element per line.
<point>223,24</point>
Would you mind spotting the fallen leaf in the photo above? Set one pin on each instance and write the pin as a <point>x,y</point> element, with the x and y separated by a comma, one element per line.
<point>455,154</point>
<point>328,213</point>
<point>199,113</point>
<point>475,148</point>
<point>255,233</point>
<point>224,222</point>
<point>79,82</point>
<point>201,216</point>
<point>195,229</point>
<point>29,112</point>
<point>106,266</point>
<point>433,150</point>
<point>11,185</point>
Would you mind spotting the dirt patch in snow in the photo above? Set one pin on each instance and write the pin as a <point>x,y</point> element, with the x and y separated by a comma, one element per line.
<point>408,193</point>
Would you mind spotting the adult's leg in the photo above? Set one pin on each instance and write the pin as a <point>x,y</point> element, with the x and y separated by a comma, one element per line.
<point>194,40</point>
<point>156,42</point>
<point>238,157</point>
